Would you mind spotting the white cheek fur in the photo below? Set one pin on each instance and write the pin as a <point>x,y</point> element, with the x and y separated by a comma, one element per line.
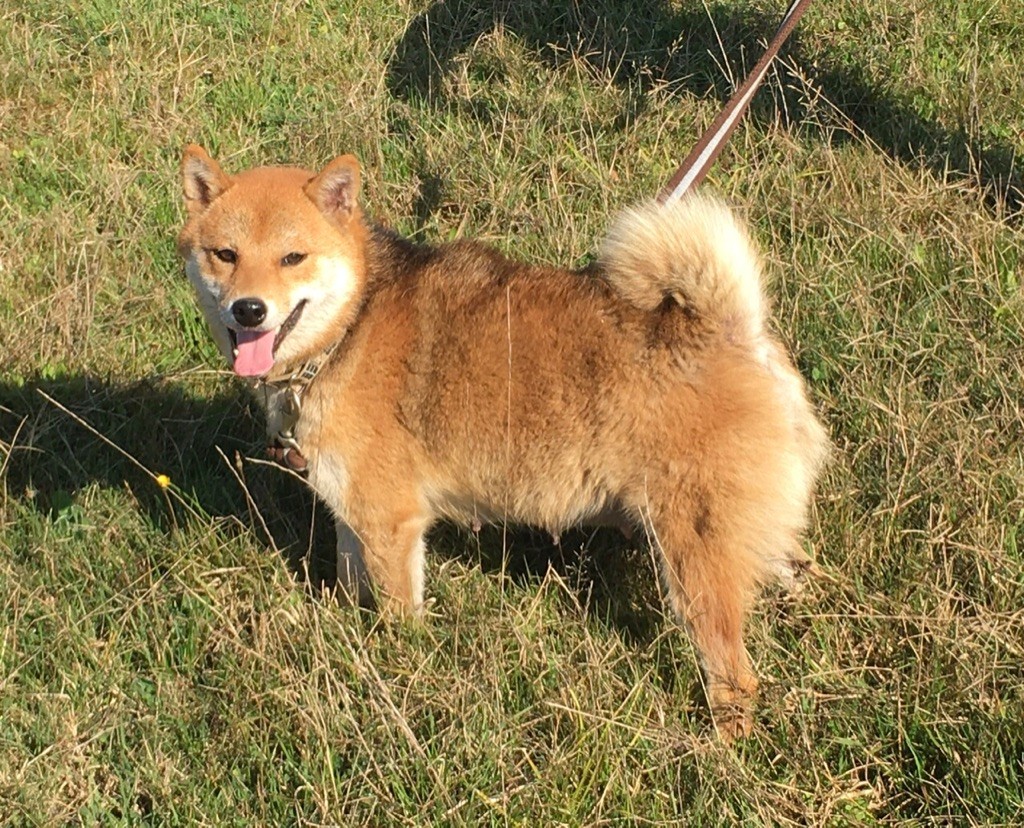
<point>204,285</point>
<point>326,295</point>
<point>208,292</point>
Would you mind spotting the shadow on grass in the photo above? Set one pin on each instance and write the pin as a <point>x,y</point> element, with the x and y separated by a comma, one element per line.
<point>200,443</point>
<point>610,578</point>
<point>641,44</point>
<point>166,430</point>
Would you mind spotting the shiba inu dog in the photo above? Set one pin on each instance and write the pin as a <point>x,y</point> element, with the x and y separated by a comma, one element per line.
<point>415,383</point>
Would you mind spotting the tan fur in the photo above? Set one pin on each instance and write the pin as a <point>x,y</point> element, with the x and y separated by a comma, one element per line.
<point>471,387</point>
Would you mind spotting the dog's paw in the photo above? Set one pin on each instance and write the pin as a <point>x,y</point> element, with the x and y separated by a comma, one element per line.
<point>796,570</point>
<point>733,724</point>
<point>732,709</point>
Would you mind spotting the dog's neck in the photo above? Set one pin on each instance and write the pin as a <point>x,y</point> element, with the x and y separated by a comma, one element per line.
<point>298,374</point>
<point>384,257</point>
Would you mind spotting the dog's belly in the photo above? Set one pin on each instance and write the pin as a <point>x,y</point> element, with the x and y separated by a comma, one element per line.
<point>550,504</point>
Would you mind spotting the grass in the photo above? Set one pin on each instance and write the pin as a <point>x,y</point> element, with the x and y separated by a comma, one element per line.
<point>162,660</point>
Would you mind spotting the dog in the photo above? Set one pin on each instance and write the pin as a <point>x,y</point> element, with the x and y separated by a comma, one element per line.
<point>414,383</point>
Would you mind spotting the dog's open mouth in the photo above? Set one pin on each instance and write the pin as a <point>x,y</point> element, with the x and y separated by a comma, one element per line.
<point>254,351</point>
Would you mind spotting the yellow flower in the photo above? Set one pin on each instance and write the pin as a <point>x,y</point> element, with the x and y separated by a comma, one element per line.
<point>163,481</point>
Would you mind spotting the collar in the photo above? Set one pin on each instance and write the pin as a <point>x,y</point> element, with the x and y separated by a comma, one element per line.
<point>282,400</point>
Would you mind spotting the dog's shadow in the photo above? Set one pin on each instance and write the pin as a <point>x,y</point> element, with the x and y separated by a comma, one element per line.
<point>60,436</point>
<point>64,435</point>
<point>603,574</point>
<point>643,44</point>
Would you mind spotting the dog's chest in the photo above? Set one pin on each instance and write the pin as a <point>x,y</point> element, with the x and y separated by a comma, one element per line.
<point>321,440</point>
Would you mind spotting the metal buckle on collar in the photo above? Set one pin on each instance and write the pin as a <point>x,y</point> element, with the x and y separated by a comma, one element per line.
<point>286,439</point>
<point>290,404</point>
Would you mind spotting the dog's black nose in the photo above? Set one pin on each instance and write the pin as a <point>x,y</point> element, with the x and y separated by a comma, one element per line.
<point>249,312</point>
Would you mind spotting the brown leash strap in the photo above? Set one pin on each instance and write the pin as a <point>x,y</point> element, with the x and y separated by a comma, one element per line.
<point>692,171</point>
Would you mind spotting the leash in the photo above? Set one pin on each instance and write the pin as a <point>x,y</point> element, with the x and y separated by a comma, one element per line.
<point>692,171</point>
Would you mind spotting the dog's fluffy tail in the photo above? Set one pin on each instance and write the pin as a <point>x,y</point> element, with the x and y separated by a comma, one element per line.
<point>695,252</point>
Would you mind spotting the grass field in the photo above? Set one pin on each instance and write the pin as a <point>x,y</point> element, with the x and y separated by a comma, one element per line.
<point>165,657</point>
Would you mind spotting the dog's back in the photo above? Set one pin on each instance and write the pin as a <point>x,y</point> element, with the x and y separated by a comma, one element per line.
<point>547,396</point>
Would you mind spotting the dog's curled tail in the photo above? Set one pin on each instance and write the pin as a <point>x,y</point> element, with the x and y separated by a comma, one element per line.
<point>694,251</point>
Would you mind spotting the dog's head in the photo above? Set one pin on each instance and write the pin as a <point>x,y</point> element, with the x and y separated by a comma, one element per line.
<point>276,255</point>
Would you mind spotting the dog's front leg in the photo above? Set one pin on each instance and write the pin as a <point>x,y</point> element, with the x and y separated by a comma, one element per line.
<point>393,554</point>
<point>353,581</point>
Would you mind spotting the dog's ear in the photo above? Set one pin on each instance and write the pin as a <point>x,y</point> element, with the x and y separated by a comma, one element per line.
<point>335,190</point>
<point>202,179</point>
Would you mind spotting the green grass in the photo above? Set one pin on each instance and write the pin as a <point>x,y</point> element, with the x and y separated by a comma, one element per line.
<point>162,659</point>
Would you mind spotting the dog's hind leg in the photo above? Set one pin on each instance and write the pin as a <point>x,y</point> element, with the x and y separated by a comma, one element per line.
<point>711,585</point>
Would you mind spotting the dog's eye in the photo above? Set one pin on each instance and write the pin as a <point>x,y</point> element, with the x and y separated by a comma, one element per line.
<point>226,255</point>
<point>293,259</point>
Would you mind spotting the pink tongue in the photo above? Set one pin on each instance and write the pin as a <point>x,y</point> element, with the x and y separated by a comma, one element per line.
<point>255,352</point>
